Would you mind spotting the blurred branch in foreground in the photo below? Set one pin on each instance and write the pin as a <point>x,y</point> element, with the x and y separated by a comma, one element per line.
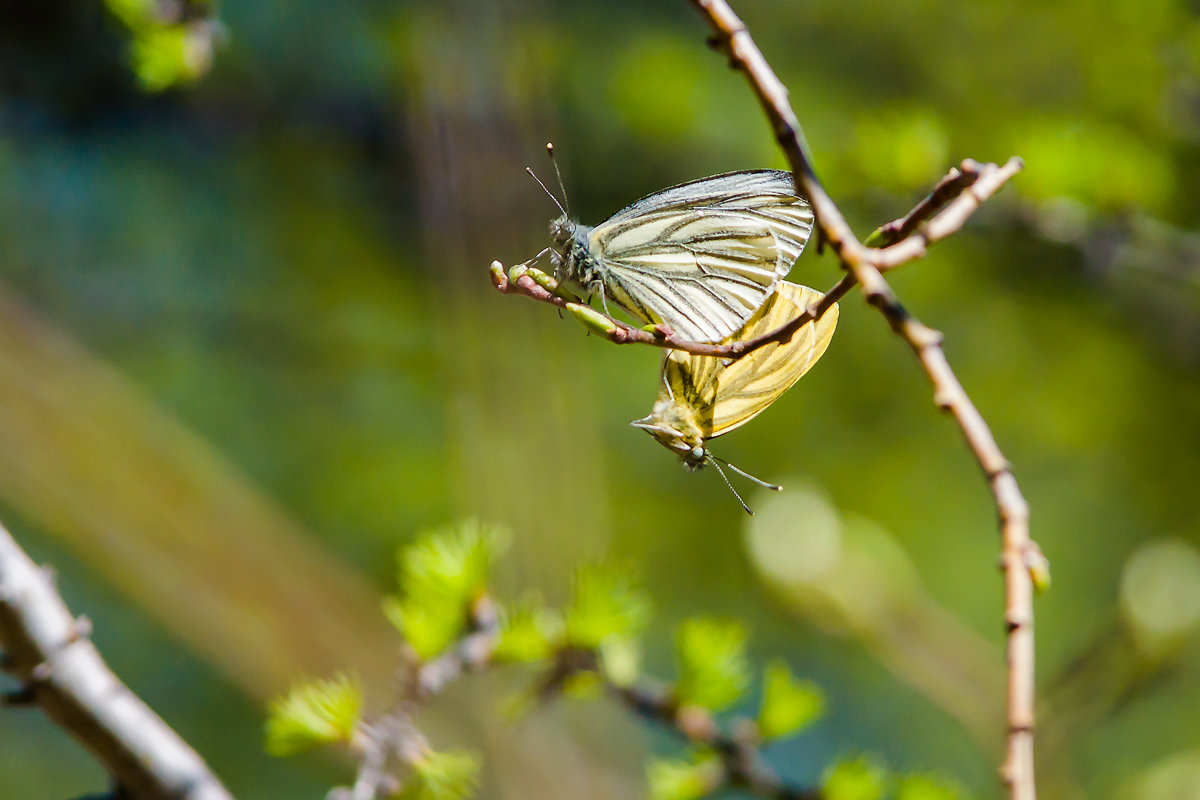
<point>48,651</point>
<point>1021,558</point>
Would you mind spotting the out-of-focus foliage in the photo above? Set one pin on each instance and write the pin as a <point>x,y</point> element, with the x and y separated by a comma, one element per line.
<point>788,705</point>
<point>928,787</point>
<point>855,779</point>
<point>712,664</point>
<point>281,269</point>
<point>680,778</point>
<point>447,570</point>
<point>171,42</point>
<point>439,577</point>
<point>313,714</point>
<point>527,631</point>
<point>605,605</point>
<point>444,776</point>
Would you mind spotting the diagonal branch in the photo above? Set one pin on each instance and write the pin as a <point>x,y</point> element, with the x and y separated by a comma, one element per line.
<point>865,266</point>
<point>47,649</point>
<point>741,764</point>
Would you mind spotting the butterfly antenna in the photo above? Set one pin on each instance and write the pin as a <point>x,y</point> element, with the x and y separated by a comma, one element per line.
<point>561,186</point>
<point>547,191</point>
<point>772,486</point>
<point>721,472</point>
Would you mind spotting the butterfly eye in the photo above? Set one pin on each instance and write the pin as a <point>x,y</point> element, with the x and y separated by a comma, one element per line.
<point>698,453</point>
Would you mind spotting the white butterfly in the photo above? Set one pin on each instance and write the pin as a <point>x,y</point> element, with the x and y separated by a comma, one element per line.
<point>701,257</point>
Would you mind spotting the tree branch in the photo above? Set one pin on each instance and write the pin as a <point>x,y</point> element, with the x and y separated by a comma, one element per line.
<point>48,651</point>
<point>741,760</point>
<point>742,765</point>
<point>864,265</point>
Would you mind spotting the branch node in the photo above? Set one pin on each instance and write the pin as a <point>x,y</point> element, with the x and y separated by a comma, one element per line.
<point>41,672</point>
<point>82,628</point>
<point>1015,621</point>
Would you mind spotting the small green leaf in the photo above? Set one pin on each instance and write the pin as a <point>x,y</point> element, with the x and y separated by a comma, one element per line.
<point>605,604</point>
<point>678,779</point>
<point>444,776</point>
<point>711,656</point>
<point>312,714</point>
<point>430,628</point>
<point>527,632</point>
<point>164,56</point>
<point>788,705</point>
<point>441,575</point>
<point>450,562</point>
<point>855,779</point>
<point>929,787</point>
<point>591,319</point>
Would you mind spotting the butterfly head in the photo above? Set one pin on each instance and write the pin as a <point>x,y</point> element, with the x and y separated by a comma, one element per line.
<point>675,434</point>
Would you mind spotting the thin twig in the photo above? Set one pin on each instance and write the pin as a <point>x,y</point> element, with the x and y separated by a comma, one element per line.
<point>62,671</point>
<point>741,759</point>
<point>742,765</point>
<point>864,265</point>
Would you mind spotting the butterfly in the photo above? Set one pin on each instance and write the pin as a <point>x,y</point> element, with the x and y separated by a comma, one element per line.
<point>703,397</point>
<point>700,257</point>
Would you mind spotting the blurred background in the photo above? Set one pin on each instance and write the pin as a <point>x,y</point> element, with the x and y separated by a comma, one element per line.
<point>248,346</point>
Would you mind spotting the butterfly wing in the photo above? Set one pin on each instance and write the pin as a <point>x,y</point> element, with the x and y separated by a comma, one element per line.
<point>720,397</point>
<point>702,257</point>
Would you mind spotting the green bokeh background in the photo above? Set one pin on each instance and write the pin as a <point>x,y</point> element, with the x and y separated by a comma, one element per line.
<point>273,274</point>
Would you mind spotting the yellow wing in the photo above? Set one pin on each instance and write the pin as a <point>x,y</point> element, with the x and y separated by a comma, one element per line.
<point>703,397</point>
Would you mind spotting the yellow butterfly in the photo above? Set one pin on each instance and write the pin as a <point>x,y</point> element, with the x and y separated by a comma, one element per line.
<point>703,397</point>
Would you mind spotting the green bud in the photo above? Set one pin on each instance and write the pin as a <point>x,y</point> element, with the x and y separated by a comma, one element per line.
<point>591,319</point>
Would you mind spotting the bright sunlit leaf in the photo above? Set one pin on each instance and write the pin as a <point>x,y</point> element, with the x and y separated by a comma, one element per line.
<point>444,776</point>
<point>313,714</point>
<point>789,705</point>
<point>527,632</point>
<point>680,779</point>
<point>711,658</point>
<point>440,575</point>
<point>605,604</point>
<point>856,779</point>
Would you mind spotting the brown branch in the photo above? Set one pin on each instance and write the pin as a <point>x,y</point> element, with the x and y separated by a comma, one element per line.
<point>864,265</point>
<point>742,765</point>
<point>47,649</point>
<point>741,760</point>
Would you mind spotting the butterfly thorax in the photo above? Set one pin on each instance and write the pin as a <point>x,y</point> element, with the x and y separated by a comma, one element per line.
<point>572,258</point>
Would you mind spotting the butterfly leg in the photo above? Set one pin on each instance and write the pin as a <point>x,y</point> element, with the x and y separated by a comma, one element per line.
<point>603,299</point>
